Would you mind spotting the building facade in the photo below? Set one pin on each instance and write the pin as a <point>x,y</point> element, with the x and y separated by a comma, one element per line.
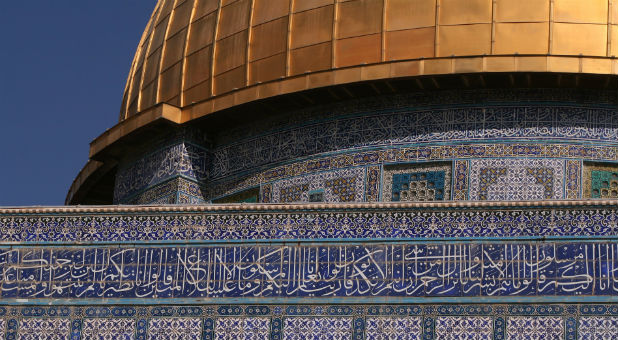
<point>364,169</point>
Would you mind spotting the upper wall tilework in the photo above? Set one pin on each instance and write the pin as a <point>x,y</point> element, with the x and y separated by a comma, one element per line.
<point>516,179</point>
<point>436,118</point>
<point>364,135</point>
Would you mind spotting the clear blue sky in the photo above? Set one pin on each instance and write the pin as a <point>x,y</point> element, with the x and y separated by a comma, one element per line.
<point>63,67</point>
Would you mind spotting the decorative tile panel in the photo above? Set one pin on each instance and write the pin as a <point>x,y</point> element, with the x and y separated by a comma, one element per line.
<point>464,328</point>
<point>598,328</point>
<point>417,182</point>
<point>516,179</point>
<point>109,329</point>
<point>460,180</point>
<point>422,118</point>
<point>601,180</point>
<point>179,159</point>
<point>174,329</point>
<point>316,321</point>
<point>317,328</point>
<point>346,185</point>
<point>573,179</point>
<point>44,329</point>
<point>336,222</point>
<point>372,187</point>
<point>535,328</point>
<point>394,328</point>
<point>449,269</point>
<point>462,153</point>
<point>242,328</point>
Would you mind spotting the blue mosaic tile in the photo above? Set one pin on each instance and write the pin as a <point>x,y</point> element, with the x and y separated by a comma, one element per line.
<point>394,328</point>
<point>535,328</point>
<point>109,329</point>
<point>44,329</point>
<point>464,328</point>
<point>317,328</point>
<point>242,328</point>
<point>174,329</point>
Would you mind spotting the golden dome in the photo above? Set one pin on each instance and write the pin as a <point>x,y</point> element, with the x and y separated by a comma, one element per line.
<point>197,57</point>
<point>203,56</point>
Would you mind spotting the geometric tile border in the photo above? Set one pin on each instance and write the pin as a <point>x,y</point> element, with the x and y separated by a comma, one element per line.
<point>332,221</point>
<point>277,322</point>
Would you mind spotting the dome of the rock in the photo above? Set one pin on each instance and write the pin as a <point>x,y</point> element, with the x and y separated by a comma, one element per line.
<point>215,66</point>
<point>341,170</point>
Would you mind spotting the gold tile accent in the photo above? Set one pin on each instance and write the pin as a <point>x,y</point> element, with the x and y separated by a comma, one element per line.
<point>521,38</point>
<point>457,12</point>
<point>359,17</point>
<point>406,14</point>
<point>585,39</point>
<point>464,40</point>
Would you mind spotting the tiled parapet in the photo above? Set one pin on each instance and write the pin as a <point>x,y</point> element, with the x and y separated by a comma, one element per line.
<point>439,270</point>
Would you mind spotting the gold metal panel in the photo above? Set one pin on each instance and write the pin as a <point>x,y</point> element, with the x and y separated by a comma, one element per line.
<point>197,93</point>
<point>223,102</point>
<point>599,66</point>
<point>522,38</point>
<point>613,52</point>
<point>532,64</point>
<point>199,64</point>
<point>499,64</point>
<point>347,75</point>
<point>148,97</point>
<point>311,58</point>
<point>269,89</point>
<point>181,17</point>
<point>359,50</point>
<point>406,14</point>
<point>136,82</point>
<point>267,10</point>
<point>320,79</point>
<point>613,14</point>
<point>152,67</point>
<point>303,5</point>
<point>166,9</point>
<point>174,49</point>
<point>522,10</point>
<point>468,65</point>
<point>246,95</point>
<point>158,36</point>
<point>581,11</point>
<point>455,12</point>
<point>202,33</point>
<point>230,52</point>
<point>378,71</point>
<point>464,40</point>
<point>267,69</point>
<point>233,18</point>
<point>406,68</point>
<point>268,39</point>
<point>359,17</point>
<point>312,27</point>
<point>563,64</point>
<point>437,66</point>
<point>170,83</point>
<point>575,39</point>
<point>295,84</point>
<point>204,7</point>
<point>230,80</point>
<point>410,44</point>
